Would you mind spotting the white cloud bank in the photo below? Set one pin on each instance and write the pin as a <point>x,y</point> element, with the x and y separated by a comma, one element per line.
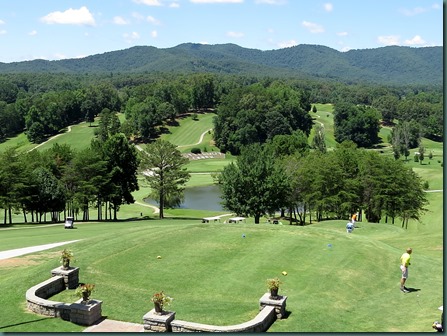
<point>81,16</point>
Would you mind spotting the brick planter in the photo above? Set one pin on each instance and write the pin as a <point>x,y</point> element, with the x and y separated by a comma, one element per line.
<point>85,314</point>
<point>71,276</point>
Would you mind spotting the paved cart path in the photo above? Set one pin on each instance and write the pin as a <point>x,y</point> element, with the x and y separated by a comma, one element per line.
<point>25,250</point>
<point>106,325</point>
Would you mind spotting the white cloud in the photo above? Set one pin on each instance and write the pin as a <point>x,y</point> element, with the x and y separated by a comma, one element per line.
<point>32,33</point>
<point>154,34</point>
<point>342,34</point>
<point>137,16</point>
<point>216,1</point>
<point>235,34</point>
<point>313,27</point>
<point>2,32</point>
<point>174,5</point>
<point>436,6</point>
<point>148,2</point>
<point>287,44</point>
<point>120,20</point>
<point>81,16</point>
<point>153,20</point>
<point>328,7</point>
<point>131,37</point>
<point>412,11</point>
<point>388,40</point>
<point>2,22</point>
<point>416,40</point>
<point>271,2</point>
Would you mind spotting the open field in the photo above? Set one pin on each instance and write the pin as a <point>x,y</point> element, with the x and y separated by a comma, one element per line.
<point>336,282</point>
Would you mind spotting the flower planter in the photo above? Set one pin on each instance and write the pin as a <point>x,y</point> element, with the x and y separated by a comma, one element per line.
<point>85,297</point>
<point>66,264</point>
<point>274,293</point>
<point>158,307</point>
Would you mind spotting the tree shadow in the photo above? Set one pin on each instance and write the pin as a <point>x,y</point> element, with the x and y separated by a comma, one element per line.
<point>22,323</point>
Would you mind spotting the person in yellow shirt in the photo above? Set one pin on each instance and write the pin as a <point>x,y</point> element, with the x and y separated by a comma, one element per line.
<point>354,218</point>
<point>404,263</point>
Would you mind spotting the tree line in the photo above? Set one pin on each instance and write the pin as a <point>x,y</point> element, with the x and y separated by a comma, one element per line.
<point>333,184</point>
<point>42,105</point>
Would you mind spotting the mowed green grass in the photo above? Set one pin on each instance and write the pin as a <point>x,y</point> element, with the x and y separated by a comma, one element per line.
<point>325,117</point>
<point>336,282</point>
<point>187,134</point>
<point>77,136</point>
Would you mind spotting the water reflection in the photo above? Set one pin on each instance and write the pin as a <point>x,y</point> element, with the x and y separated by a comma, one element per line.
<point>200,198</point>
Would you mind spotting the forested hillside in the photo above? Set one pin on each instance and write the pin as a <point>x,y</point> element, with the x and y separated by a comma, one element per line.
<point>392,65</point>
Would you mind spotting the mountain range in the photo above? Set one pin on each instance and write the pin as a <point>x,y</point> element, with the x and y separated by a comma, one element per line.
<point>392,65</point>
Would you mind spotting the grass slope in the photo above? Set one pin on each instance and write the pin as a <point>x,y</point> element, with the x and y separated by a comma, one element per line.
<point>216,276</point>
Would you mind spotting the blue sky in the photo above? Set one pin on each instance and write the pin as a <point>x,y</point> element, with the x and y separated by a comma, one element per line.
<point>58,29</point>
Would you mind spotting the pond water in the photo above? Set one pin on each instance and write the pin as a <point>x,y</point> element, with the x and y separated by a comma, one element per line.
<point>199,198</point>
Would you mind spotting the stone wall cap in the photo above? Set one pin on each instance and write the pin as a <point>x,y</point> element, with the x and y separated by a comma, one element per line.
<point>81,306</point>
<point>258,319</point>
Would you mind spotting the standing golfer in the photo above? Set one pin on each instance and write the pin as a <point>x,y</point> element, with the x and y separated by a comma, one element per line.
<point>404,263</point>
<point>354,218</point>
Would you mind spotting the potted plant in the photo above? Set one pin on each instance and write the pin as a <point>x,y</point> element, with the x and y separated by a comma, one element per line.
<point>160,299</point>
<point>84,291</point>
<point>66,256</point>
<point>273,286</point>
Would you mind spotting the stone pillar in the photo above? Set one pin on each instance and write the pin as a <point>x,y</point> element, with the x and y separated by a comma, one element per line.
<point>158,322</point>
<point>279,304</point>
<point>71,276</point>
<point>85,314</point>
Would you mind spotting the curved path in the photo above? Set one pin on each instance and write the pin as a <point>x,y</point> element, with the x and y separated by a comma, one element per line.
<point>53,137</point>
<point>25,250</point>
<point>156,210</point>
<point>200,140</point>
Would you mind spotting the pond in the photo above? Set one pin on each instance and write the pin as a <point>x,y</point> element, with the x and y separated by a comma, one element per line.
<point>199,198</point>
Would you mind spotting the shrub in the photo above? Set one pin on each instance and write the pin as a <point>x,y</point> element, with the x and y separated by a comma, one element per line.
<point>196,150</point>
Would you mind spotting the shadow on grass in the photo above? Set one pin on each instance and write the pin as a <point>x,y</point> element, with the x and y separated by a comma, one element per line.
<point>22,323</point>
<point>411,290</point>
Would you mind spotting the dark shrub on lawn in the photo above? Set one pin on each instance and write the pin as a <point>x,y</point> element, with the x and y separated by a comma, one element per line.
<point>196,150</point>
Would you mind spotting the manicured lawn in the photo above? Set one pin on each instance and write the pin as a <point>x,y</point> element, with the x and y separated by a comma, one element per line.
<point>217,276</point>
<point>187,134</point>
<point>325,117</point>
<point>78,138</point>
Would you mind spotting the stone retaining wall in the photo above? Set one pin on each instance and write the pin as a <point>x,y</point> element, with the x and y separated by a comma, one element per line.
<point>36,297</point>
<point>270,310</point>
<point>260,323</point>
<point>80,313</point>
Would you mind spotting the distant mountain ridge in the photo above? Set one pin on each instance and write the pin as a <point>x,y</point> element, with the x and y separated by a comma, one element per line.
<point>386,65</point>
